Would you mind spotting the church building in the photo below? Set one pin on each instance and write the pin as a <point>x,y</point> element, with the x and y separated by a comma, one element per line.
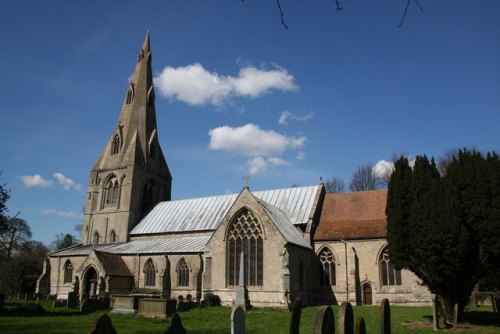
<point>297,242</point>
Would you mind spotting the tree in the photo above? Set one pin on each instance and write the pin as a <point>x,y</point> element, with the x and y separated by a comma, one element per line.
<point>15,232</point>
<point>334,185</point>
<point>63,241</point>
<point>446,228</point>
<point>4,197</point>
<point>363,179</point>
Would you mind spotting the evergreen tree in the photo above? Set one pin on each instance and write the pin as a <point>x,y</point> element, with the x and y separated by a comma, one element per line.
<point>446,229</point>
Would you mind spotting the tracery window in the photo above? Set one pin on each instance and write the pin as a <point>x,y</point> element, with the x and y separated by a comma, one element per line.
<point>245,235</point>
<point>182,273</point>
<point>388,274</point>
<point>327,267</point>
<point>149,273</point>
<point>68,272</point>
<point>111,192</point>
<point>115,145</point>
<point>95,239</point>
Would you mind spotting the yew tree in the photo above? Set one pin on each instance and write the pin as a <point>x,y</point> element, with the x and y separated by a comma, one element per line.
<point>445,227</point>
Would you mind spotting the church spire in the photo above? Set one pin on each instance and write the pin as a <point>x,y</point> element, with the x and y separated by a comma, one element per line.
<point>145,45</point>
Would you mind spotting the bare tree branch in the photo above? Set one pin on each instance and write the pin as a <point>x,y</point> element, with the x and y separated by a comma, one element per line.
<point>281,14</point>
<point>406,11</point>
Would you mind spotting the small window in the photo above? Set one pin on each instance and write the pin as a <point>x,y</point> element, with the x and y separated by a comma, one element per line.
<point>112,236</point>
<point>388,274</point>
<point>95,240</point>
<point>68,272</point>
<point>182,273</point>
<point>130,94</point>
<point>149,273</point>
<point>115,145</point>
<point>327,267</point>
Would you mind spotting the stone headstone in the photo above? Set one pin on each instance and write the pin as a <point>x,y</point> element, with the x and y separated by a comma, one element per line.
<point>238,321</point>
<point>171,306</point>
<point>385,317</point>
<point>360,326</point>
<point>325,321</point>
<point>104,325</point>
<point>346,319</point>
<point>176,325</point>
<point>72,299</point>
<point>295,320</point>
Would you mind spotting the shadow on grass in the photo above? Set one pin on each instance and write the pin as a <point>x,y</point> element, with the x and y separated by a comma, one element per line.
<point>15,309</point>
<point>482,318</point>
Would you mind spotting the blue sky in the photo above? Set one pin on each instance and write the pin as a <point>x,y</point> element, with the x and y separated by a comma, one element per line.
<point>334,91</point>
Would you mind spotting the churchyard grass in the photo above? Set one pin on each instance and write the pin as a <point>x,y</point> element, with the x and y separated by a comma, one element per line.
<point>217,320</point>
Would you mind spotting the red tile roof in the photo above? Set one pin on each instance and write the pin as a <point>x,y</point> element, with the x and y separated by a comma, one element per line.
<point>357,215</point>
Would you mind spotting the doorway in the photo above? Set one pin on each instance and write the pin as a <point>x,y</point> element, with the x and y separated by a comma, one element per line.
<point>367,294</point>
<point>90,283</point>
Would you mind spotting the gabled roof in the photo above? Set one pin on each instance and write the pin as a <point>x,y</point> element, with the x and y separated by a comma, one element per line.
<point>206,213</point>
<point>357,215</point>
<point>113,264</point>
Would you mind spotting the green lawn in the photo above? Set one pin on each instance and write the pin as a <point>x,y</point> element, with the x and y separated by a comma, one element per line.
<point>217,320</point>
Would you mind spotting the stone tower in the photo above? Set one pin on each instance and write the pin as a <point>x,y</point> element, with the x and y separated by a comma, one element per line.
<point>131,174</point>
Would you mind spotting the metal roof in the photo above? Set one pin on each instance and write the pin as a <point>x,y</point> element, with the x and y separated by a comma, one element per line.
<point>206,213</point>
<point>142,246</point>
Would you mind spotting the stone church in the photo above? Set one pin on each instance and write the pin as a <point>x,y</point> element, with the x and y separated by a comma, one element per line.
<point>297,242</point>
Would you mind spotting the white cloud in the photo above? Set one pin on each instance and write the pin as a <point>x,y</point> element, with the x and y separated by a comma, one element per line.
<point>286,115</point>
<point>264,147</point>
<point>66,182</point>
<point>59,213</point>
<point>383,168</point>
<point>194,85</point>
<point>251,140</point>
<point>36,180</point>
<point>301,155</point>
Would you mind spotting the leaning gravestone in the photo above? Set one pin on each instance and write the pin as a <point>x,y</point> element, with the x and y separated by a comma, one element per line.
<point>325,321</point>
<point>72,299</point>
<point>238,321</point>
<point>295,320</point>
<point>360,326</point>
<point>385,317</point>
<point>176,325</point>
<point>104,325</point>
<point>346,319</point>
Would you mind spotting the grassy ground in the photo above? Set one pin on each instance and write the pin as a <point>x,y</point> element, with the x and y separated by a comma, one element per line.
<point>217,320</point>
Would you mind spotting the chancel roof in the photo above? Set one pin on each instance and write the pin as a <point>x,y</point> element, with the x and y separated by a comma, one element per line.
<point>357,215</point>
<point>205,213</point>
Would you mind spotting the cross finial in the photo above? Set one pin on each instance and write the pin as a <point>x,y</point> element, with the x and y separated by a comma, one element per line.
<point>245,181</point>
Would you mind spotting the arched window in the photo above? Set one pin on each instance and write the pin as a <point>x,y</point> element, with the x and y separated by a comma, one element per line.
<point>327,267</point>
<point>388,274</point>
<point>68,272</point>
<point>149,273</point>
<point>115,145</point>
<point>147,197</point>
<point>130,94</point>
<point>95,239</point>
<point>182,273</point>
<point>245,235</point>
<point>111,192</point>
<point>112,236</point>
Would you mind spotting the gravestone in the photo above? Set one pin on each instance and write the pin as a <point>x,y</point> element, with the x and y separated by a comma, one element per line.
<point>238,321</point>
<point>176,325</point>
<point>171,305</point>
<point>325,321</point>
<point>346,319</point>
<point>385,317</point>
<point>72,299</point>
<point>241,291</point>
<point>360,326</point>
<point>295,320</point>
<point>104,325</point>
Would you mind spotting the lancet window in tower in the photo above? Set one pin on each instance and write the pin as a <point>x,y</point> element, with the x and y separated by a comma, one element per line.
<point>95,238</point>
<point>182,273</point>
<point>388,274</point>
<point>112,236</point>
<point>115,145</point>
<point>111,192</point>
<point>327,267</point>
<point>245,235</point>
<point>149,273</point>
<point>130,94</point>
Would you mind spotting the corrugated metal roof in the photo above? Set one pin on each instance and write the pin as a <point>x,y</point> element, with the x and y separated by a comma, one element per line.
<point>143,246</point>
<point>206,213</point>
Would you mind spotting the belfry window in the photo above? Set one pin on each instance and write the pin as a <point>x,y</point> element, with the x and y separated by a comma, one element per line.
<point>111,192</point>
<point>182,273</point>
<point>68,272</point>
<point>327,267</point>
<point>149,273</point>
<point>112,236</point>
<point>245,235</point>
<point>115,145</point>
<point>130,94</point>
<point>95,239</point>
<point>388,274</point>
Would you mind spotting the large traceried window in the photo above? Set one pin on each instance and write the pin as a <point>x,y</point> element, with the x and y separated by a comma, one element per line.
<point>182,273</point>
<point>149,273</point>
<point>327,267</point>
<point>68,272</point>
<point>245,235</point>
<point>388,274</point>
<point>111,192</point>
